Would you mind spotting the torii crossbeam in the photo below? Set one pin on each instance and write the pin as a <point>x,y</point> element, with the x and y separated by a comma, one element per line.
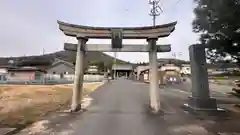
<point>125,48</point>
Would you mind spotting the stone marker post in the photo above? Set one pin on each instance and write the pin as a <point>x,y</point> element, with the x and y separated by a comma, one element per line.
<point>153,66</point>
<point>200,99</point>
<point>79,73</point>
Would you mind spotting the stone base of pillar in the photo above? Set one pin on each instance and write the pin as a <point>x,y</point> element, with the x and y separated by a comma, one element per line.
<point>76,109</point>
<point>199,104</point>
<point>163,84</point>
<point>154,111</point>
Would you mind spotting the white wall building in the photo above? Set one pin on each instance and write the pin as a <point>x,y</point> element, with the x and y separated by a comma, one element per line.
<point>186,69</point>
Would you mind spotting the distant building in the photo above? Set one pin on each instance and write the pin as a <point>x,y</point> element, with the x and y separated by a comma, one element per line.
<point>140,69</point>
<point>163,71</point>
<point>25,73</point>
<point>3,77</point>
<point>53,69</point>
<point>92,70</point>
<point>4,72</point>
<point>122,70</point>
<point>186,69</point>
<point>60,69</point>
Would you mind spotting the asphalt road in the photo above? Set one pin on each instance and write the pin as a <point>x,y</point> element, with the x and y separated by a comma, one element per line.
<point>186,87</point>
<point>121,108</point>
<point>219,92</point>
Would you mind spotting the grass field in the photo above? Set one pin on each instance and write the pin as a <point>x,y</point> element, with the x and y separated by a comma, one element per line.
<point>24,104</point>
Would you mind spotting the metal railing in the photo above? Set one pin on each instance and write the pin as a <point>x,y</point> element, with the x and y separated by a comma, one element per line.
<point>52,81</point>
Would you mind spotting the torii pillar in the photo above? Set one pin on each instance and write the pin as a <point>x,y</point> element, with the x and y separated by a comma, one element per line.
<point>79,74</point>
<point>154,81</point>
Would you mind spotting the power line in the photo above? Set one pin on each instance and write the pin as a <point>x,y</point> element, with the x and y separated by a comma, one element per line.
<point>176,2</point>
<point>161,5</point>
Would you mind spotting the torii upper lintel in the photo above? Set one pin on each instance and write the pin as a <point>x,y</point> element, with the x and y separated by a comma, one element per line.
<point>157,31</point>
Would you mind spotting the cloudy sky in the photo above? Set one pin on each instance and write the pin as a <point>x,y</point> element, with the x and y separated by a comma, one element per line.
<point>30,26</point>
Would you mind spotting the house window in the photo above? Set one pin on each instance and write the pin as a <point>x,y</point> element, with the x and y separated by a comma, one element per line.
<point>12,74</point>
<point>65,73</point>
<point>54,73</point>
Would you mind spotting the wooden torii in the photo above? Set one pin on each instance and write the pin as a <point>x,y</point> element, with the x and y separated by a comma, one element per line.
<point>116,34</point>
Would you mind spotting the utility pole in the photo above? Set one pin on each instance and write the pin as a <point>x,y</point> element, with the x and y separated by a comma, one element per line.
<point>155,10</point>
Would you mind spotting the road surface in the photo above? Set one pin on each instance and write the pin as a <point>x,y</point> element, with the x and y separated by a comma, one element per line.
<point>219,92</point>
<point>186,87</point>
<point>121,108</point>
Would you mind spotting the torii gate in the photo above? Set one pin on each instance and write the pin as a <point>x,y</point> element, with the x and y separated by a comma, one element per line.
<point>83,33</point>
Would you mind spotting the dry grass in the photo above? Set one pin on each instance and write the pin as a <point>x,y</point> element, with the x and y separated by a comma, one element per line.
<point>23,104</point>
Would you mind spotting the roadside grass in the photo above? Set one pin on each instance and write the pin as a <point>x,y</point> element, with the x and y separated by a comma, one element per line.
<point>226,76</point>
<point>21,105</point>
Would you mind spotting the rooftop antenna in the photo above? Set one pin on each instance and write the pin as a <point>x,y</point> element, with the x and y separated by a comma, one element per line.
<point>156,9</point>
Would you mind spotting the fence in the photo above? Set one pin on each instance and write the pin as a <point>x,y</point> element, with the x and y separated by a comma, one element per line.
<point>47,81</point>
<point>93,78</point>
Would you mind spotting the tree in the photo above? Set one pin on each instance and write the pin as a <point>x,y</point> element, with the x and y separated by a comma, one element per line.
<point>93,63</point>
<point>218,23</point>
<point>108,65</point>
<point>101,66</point>
<point>120,62</point>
